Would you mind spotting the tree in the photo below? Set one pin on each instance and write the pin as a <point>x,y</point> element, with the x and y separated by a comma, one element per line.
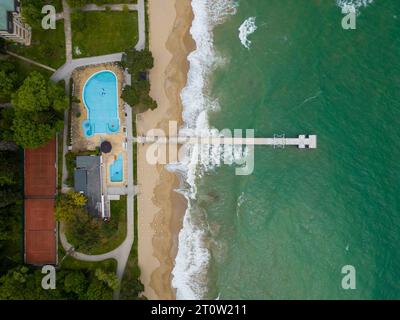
<point>76,282</point>
<point>8,197</point>
<point>21,283</point>
<point>8,168</point>
<point>108,278</point>
<point>6,120</point>
<point>98,290</point>
<point>38,111</point>
<point>138,94</point>
<point>8,78</point>
<point>137,61</point>
<point>69,205</point>
<point>130,96</point>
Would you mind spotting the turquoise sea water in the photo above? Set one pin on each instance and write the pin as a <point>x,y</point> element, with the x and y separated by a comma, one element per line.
<point>286,231</point>
<point>100,95</point>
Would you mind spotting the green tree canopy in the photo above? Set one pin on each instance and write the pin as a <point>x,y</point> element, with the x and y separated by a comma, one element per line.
<point>38,111</point>
<point>8,78</point>
<point>68,205</point>
<point>22,284</point>
<point>76,282</point>
<point>8,168</point>
<point>98,290</point>
<point>137,61</point>
<point>110,279</point>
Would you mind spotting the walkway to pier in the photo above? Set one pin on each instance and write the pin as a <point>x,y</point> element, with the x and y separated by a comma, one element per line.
<point>302,141</point>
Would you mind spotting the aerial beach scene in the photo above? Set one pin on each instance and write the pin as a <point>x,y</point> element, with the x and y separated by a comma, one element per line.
<point>216,150</point>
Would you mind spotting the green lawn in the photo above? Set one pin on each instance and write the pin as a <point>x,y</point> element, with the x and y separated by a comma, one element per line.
<point>76,3</point>
<point>99,33</point>
<point>70,263</point>
<point>47,47</point>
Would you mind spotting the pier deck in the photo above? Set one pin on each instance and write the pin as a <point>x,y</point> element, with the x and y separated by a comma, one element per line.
<point>302,141</point>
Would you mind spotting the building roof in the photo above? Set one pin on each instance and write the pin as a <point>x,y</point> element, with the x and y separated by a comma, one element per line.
<point>80,180</point>
<point>5,7</point>
<point>88,180</point>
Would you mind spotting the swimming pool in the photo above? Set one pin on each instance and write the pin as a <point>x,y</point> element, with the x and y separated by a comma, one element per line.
<point>116,170</point>
<point>100,96</point>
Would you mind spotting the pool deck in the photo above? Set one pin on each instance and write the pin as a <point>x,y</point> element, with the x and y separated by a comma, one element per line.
<point>81,143</point>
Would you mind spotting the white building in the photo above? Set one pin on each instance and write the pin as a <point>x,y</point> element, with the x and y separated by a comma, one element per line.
<point>11,25</point>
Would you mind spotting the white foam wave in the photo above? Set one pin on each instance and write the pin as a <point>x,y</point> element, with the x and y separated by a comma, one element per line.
<point>352,5</point>
<point>247,28</point>
<point>190,270</point>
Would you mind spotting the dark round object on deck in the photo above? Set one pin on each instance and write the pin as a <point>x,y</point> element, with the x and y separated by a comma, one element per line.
<point>105,147</point>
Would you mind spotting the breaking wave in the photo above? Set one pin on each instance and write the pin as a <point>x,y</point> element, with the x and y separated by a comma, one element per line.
<point>352,5</point>
<point>247,28</point>
<point>191,264</point>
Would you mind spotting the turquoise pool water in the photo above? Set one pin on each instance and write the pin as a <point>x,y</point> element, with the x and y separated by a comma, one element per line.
<point>101,101</point>
<point>116,171</point>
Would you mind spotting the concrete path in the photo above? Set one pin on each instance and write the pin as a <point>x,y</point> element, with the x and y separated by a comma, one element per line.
<point>59,16</point>
<point>31,61</point>
<point>141,45</point>
<point>120,254</point>
<point>65,71</point>
<point>67,30</point>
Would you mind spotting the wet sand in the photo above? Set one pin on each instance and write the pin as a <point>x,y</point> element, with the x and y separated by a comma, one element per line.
<point>161,209</point>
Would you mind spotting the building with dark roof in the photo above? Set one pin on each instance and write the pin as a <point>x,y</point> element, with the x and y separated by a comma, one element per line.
<point>88,180</point>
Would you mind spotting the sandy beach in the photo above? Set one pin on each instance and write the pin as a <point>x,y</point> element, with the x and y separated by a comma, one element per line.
<point>160,208</point>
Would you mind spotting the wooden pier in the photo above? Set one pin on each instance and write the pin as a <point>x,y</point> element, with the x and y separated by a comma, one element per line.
<point>302,141</point>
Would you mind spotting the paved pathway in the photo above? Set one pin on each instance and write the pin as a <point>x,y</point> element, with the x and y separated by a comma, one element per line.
<point>65,71</point>
<point>67,30</point>
<point>31,61</point>
<point>141,45</point>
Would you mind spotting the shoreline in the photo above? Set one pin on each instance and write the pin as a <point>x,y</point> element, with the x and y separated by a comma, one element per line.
<point>160,208</point>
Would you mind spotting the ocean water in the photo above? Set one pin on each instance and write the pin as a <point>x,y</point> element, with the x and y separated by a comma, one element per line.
<point>286,231</point>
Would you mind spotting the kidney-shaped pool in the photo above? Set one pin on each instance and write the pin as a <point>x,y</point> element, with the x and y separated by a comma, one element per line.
<point>100,96</point>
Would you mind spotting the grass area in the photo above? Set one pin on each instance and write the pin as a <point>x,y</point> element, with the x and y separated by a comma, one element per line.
<point>76,3</point>
<point>47,47</point>
<point>71,263</point>
<point>117,32</point>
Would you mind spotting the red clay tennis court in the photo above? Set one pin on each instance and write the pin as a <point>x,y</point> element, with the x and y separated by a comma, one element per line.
<point>40,191</point>
<point>40,171</point>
